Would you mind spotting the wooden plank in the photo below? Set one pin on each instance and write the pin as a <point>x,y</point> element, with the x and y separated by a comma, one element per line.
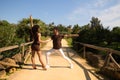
<point>114,61</point>
<point>13,47</point>
<point>8,48</point>
<point>27,56</point>
<point>100,48</point>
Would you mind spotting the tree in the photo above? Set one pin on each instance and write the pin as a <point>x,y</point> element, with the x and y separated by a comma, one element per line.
<point>76,29</point>
<point>23,28</point>
<point>94,33</point>
<point>69,29</point>
<point>7,34</point>
<point>116,34</point>
<point>62,29</point>
<point>4,23</point>
<point>85,27</point>
<point>95,24</point>
<point>50,27</point>
<point>115,38</point>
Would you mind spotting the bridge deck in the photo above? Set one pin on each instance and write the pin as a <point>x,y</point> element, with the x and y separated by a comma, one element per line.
<point>59,68</point>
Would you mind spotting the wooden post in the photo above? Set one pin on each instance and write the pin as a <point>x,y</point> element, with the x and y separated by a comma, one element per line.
<point>107,60</point>
<point>27,54</point>
<point>22,55</point>
<point>84,52</point>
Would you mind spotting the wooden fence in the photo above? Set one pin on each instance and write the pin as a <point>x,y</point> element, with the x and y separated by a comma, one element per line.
<point>108,51</point>
<point>14,47</point>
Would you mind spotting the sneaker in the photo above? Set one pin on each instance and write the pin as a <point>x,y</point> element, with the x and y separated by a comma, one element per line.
<point>71,66</point>
<point>47,66</point>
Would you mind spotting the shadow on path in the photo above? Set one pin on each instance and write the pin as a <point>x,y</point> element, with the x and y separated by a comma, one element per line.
<point>68,50</point>
<point>29,67</point>
<point>86,71</point>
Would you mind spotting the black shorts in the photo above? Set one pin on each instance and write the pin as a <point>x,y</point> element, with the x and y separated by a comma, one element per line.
<point>35,47</point>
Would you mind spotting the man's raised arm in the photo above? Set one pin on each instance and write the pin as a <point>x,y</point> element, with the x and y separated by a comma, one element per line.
<point>71,35</point>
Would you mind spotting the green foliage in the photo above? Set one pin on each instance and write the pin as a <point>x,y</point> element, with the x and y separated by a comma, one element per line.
<point>92,33</point>
<point>62,29</point>
<point>7,36</point>
<point>76,29</point>
<point>95,34</point>
<point>23,32</point>
<point>24,29</point>
<point>116,33</point>
<point>69,41</point>
<point>95,24</point>
<point>69,29</point>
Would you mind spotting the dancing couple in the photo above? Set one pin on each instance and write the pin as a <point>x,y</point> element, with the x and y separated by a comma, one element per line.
<point>57,47</point>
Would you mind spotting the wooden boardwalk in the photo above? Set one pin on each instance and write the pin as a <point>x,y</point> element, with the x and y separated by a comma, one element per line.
<point>59,68</point>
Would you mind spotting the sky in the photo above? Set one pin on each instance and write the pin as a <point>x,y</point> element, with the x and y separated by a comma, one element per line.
<point>65,12</point>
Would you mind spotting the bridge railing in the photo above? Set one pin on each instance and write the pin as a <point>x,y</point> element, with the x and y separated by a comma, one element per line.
<point>21,46</point>
<point>108,51</point>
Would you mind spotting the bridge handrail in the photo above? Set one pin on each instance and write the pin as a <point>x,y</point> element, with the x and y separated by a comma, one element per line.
<point>13,47</point>
<point>100,48</point>
<point>108,50</point>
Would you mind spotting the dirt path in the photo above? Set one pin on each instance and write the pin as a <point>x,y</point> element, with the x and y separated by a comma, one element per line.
<point>59,68</point>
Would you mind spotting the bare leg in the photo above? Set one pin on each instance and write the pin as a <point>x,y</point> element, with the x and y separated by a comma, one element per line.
<point>40,59</point>
<point>33,59</point>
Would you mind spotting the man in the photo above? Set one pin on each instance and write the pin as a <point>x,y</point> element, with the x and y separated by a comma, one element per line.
<point>57,47</point>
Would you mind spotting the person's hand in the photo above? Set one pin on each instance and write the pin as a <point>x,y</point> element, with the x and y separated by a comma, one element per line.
<point>66,35</point>
<point>48,40</point>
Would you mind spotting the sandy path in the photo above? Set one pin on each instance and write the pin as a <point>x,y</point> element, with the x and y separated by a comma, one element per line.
<point>59,68</point>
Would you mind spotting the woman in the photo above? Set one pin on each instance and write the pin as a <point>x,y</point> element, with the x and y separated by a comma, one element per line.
<point>36,46</point>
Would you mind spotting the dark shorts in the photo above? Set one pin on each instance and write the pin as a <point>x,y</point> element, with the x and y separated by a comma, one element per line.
<point>35,47</point>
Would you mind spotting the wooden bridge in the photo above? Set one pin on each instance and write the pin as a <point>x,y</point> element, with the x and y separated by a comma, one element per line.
<point>58,66</point>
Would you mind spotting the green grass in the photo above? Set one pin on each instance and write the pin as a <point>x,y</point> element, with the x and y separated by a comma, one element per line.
<point>69,40</point>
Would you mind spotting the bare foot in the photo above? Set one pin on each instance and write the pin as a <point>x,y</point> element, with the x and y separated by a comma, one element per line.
<point>44,68</point>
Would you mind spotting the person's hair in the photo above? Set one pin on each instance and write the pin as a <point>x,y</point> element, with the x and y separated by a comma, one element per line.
<point>35,29</point>
<point>56,28</point>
